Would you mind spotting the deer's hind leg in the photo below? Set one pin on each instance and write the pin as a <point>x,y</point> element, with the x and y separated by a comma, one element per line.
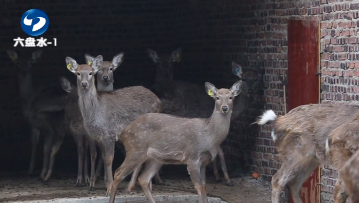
<point>35,135</point>
<point>151,169</point>
<point>129,164</point>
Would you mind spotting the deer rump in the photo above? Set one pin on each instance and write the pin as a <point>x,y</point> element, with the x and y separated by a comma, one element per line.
<point>304,130</point>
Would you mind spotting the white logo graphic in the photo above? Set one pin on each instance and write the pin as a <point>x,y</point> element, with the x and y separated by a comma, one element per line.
<point>38,25</point>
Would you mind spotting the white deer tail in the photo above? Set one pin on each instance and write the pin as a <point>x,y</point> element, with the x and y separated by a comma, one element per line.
<point>267,116</point>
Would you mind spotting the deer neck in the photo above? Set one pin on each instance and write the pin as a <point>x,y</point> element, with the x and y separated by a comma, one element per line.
<point>219,126</point>
<point>26,90</point>
<point>104,88</point>
<point>88,103</point>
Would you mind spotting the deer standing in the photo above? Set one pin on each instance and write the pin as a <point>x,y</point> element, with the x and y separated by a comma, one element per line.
<point>187,99</point>
<point>105,114</point>
<point>43,109</point>
<point>156,139</point>
<point>300,137</point>
<point>74,121</point>
<point>350,176</point>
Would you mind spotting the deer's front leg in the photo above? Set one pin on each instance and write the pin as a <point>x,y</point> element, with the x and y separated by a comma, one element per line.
<point>35,134</point>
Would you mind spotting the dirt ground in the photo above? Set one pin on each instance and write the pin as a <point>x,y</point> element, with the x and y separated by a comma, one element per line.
<point>20,188</point>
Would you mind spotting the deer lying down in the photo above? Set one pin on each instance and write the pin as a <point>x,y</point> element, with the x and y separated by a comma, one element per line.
<point>156,139</point>
<point>106,114</point>
<point>350,176</point>
<point>300,138</point>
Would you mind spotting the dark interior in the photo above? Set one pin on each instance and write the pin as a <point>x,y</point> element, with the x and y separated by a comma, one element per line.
<point>211,33</point>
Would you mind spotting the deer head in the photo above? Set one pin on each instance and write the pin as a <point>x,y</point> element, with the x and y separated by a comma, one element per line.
<point>105,74</point>
<point>223,97</point>
<point>24,66</point>
<point>164,63</point>
<point>85,73</point>
<point>249,77</point>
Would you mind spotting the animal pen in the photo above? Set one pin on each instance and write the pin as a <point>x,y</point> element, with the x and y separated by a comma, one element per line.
<point>83,81</point>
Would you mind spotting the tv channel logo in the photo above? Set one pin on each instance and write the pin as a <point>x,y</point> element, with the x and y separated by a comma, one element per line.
<point>34,22</point>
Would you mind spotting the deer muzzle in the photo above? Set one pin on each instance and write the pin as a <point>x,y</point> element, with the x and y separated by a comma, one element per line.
<point>84,85</point>
<point>225,109</point>
<point>105,78</point>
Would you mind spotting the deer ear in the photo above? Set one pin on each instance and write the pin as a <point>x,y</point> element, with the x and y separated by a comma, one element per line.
<point>210,89</point>
<point>71,64</point>
<point>117,60</point>
<point>176,55</point>
<point>96,63</point>
<point>236,88</point>
<point>89,59</point>
<point>236,69</point>
<point>65,84</point>
<point>153,55</point>
<point>36,55</point>
<point>12,54</point>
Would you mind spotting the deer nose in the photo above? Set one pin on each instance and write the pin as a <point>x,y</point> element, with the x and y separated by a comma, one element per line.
<point>105,78</point>
<point>225,109</point>
<point>84,84</point>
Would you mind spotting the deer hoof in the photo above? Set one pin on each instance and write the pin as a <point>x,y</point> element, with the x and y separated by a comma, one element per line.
<point>91,188</point>
<point>46,182</point>
<point>230,183</point>
<point>217,180</point>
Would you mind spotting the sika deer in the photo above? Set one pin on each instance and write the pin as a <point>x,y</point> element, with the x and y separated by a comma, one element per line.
<point>300,137</point>
<point>350,176</point>
<point>43,109</point>
<point>186,99</point>
<point>156,139</point>
<point>74,121</point>
<point>105,114</point>
<point>341,144</point>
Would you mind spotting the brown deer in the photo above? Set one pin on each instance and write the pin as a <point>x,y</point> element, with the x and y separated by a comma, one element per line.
<point>341,144</point>
<point>105,114</point>
<point>350,176</point>
<point>156,139</point>
<point>74,121</point>
<point>187,99</point>
<point>43,109</point>
<point>300,137</point>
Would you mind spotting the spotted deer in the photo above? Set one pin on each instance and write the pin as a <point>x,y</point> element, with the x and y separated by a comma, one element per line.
<point>301,137</point>
<point>74,121</point>
<point>105,114</point>
<point>42,107</point>
<point>155,139</point>
<point>187,99</point>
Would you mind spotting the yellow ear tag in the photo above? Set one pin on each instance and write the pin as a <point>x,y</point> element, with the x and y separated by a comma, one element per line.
<point>210,93</point>
<point>178,57</point>
<point>90,63</point>
<point>69,66</point>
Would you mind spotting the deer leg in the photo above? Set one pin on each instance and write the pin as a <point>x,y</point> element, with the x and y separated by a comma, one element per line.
<point>194,169</point>
<point>128,165</point>
<point>55,148</point>
<point>339,192</point>
<point>47,149</point>
<point>35,134</point>
<point>99,164</point>
<point>132,183</point>
<point>158,179</point>
<point>93,154</point>
<point>215,170</point>
<point>108,154</point>
<point>85,161</point>
<point>295,185</point>
<point>80,158</point>
<point>151,169</point>
<point>224,168</point>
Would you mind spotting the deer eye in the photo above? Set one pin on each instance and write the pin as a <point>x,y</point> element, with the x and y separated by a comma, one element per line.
<point>217,98</point>
<point>78,74</point>
<point>230,98</point>
<point>90,73</point>
<point>111,69</point>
